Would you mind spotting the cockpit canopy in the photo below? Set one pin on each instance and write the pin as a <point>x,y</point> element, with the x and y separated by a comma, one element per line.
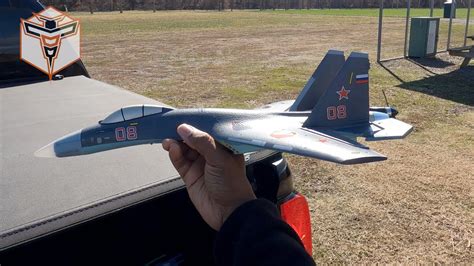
<point>133,112</point>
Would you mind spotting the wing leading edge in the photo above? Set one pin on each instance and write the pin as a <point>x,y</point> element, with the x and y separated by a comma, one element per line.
<point>299,141</point>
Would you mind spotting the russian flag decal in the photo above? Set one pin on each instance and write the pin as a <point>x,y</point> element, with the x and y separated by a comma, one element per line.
<point>362,79</point>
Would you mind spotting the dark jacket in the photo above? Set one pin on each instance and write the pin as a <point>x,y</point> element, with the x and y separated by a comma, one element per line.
<point>254,234</point>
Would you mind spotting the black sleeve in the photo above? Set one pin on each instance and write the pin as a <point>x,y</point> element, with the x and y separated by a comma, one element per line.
<point>254,234</point>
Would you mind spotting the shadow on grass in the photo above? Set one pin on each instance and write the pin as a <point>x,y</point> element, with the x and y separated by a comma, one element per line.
<point>430,62</point>
<point>457,86</point>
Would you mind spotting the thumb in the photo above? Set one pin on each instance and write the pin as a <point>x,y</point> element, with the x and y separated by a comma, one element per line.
<point>201,142</point>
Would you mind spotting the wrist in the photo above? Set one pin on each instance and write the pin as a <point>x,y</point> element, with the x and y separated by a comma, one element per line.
<point>227,212</point>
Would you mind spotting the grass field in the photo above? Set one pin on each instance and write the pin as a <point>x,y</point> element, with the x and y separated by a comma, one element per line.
<point>416,207</point>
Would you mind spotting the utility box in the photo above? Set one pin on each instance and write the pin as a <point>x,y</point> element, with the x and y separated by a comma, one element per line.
<point>423,37</point>
<point>448,5</point>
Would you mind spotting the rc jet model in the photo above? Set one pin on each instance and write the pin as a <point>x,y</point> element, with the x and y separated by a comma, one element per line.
<point>323,122</point>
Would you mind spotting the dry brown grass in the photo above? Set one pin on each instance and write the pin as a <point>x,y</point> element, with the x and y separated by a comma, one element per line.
<point>415,207</point>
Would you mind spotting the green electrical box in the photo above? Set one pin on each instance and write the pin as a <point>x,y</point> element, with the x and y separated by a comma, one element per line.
<point>423,37</point>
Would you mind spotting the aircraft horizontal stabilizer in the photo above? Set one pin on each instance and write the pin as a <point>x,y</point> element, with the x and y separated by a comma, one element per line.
<point>389,128</point>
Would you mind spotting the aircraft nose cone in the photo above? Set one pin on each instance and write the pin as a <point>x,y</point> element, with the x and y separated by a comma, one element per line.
<point>68,145</point>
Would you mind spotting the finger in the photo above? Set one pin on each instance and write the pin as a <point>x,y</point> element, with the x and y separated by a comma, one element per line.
<point>166,144</point>
<point>178,159</point>
<point>189,153</point>
<point>201,142</point>
<point>192,155</point>
<point>195,174</point>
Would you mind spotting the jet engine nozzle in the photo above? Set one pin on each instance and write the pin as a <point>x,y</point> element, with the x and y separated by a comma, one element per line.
<point>390,111</point>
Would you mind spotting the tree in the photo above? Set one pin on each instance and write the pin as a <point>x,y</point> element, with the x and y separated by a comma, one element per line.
<point>91,6</point>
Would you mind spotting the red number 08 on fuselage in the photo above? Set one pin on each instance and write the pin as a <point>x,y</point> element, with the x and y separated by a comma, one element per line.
<point>129,133</point>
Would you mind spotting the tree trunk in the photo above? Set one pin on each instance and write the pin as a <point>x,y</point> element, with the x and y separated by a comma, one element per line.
<point>91,6</point>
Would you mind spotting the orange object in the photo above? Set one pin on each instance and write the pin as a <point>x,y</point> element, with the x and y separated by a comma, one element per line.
<point>295,212</point>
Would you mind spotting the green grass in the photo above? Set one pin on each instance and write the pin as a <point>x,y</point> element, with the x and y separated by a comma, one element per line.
<point>103,23</point>
<point>100,23</point>
<point>275,81</point>
<point>372,12</point>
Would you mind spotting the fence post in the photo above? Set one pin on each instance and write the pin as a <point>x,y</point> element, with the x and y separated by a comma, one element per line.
<point>379,41</point>
<point>453,6</point>
<point>407,22</point>
<point>466,31</point>
<point>431,7</point>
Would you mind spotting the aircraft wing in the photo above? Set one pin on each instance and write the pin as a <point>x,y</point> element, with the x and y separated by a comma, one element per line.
<point>281,106</point>
<point>247,136</point>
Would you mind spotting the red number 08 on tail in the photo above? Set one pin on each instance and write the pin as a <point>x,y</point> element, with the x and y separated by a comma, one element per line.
<point>336,112</point>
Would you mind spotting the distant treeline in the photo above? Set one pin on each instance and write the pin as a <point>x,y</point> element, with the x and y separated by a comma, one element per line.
<point>120,5</point>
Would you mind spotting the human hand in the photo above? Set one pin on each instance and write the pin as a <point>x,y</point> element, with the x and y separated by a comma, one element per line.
<point>214,177</point>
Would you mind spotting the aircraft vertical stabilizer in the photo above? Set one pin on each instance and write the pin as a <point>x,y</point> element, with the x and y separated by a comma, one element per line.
<point>346,101</point>
<point>320,81</point>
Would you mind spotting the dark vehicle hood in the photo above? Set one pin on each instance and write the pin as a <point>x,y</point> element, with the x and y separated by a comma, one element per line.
<point>10,14</point>
<point>43,195</point>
